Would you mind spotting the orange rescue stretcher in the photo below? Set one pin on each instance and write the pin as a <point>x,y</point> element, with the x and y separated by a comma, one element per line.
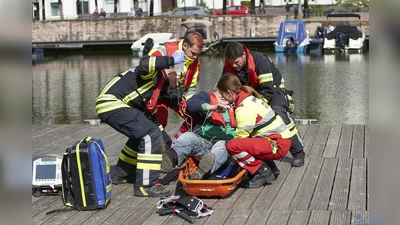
<point>208,188</point>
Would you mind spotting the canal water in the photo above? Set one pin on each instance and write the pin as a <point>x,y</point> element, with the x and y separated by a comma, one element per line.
<point>329,87</point>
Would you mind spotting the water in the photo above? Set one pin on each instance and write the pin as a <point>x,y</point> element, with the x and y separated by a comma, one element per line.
<point>332,88</point>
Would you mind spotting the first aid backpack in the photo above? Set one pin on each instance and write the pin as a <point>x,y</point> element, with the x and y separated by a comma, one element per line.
<point>86,179</point>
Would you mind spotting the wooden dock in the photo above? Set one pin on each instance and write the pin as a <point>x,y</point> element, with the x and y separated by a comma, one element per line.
<point>331,188</point>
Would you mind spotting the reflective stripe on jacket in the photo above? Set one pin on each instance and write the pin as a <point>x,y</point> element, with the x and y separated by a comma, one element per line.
<point>255,118</point>
<point>260,73</point>
<point>133,87</point>
<point>191,68</point>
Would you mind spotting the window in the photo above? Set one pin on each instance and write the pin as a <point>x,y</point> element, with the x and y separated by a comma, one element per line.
<point>54,9</point>
<point>82,7</point>
<point>290,27</point>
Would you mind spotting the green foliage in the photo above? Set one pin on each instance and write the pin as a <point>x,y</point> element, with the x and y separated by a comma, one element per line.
<point>246,3</point>
<point>203,4</point>
<point>355,3</point>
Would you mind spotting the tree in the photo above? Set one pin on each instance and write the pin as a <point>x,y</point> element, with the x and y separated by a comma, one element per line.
<point>151,8</point>
<point>299,11</point>
<point>223,7</point>
<point>78,7</point>
<point>252,6</point>
<point>43,10</point>
<point>60,8</point>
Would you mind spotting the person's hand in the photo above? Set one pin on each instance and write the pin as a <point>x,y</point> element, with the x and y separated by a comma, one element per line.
<point>220,108</point>
<point>179,56</point>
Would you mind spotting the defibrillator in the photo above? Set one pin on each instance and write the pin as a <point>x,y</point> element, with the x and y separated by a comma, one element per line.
<point>46,175</point>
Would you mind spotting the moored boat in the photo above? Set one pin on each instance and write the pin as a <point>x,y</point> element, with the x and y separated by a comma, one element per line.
<point>158,40</point>
<point>345,37</point>
<point>210,33</point>
<point>292,37</point>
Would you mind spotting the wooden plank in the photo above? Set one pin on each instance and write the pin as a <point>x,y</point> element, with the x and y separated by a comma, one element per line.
<point>140,215</point>
<point>119,201</point>
<point>227,203</point>
<point>317,149</point>
<point>79,217</point>
<point>360,217</point>
<point>309,137</point>
<point>345,142</point>
<point>336,189</point>
<point>358,193</point>
<point>269,193</point>
<point>319,217</point>
<point>153,219</point>
<point>218,217</point>
<point>258,216</point>
<point>307,185</point>
<point>357,146</point>
<point>299,217</point>
<point>340,191</point>
<point>289,188</point>
<point>368,181</point>
<point>323,190</point>
<point>248,197</point>
<point>302,129</point>
<point>37,202</point>
<point>279,217</point>
<point>40,208</point>
<point>332,143</point>
<point>366,139</point>
<point>340,217</point>
<point>239,216</point>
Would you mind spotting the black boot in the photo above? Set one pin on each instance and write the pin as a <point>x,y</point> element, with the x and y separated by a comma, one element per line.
<point>298,159</point>
<point>273,167</point>
<point>263,176</point>
<point>157,190</point>
<point>119,176</point>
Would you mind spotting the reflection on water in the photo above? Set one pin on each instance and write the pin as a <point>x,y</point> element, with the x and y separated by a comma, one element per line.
<point>332,88</point>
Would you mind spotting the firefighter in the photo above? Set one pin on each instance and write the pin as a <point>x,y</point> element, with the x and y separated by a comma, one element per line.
<point>261,134</point>
<point>258,71</point>
<point>192,44</point>
<point>215,124</point>
<point>123,104</point>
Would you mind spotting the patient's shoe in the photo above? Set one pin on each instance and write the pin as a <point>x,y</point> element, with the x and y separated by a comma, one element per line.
<point>204,167</point>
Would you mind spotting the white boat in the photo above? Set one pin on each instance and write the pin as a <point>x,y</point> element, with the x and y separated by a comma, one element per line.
<point>158,40</point>
<point>210,33</point>
<point>345,37</point>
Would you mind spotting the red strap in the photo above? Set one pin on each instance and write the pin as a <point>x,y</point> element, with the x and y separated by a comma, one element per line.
<point>253,78</point>
<point>152,103</point>
<point>171,47</point>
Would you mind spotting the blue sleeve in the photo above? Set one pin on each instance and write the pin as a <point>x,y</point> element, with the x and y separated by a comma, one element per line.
<point>195,103</point>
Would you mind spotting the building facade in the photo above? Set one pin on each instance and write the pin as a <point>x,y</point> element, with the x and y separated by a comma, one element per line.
<point>72,8</point>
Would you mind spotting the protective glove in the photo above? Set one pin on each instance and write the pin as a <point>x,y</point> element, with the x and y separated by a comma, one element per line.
<point>179,56</point>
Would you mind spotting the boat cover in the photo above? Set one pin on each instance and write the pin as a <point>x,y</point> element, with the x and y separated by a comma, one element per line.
<point>349,31</point>
<point>291,28</point>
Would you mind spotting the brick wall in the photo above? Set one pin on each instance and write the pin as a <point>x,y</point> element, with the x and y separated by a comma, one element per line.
<point>133,28</point>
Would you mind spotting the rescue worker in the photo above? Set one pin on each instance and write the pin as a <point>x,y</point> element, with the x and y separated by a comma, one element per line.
<point>123,104</point>
<point>192,44</point>
<point>258,71</point>
<point>261,134</point>
<point>215,124</point>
